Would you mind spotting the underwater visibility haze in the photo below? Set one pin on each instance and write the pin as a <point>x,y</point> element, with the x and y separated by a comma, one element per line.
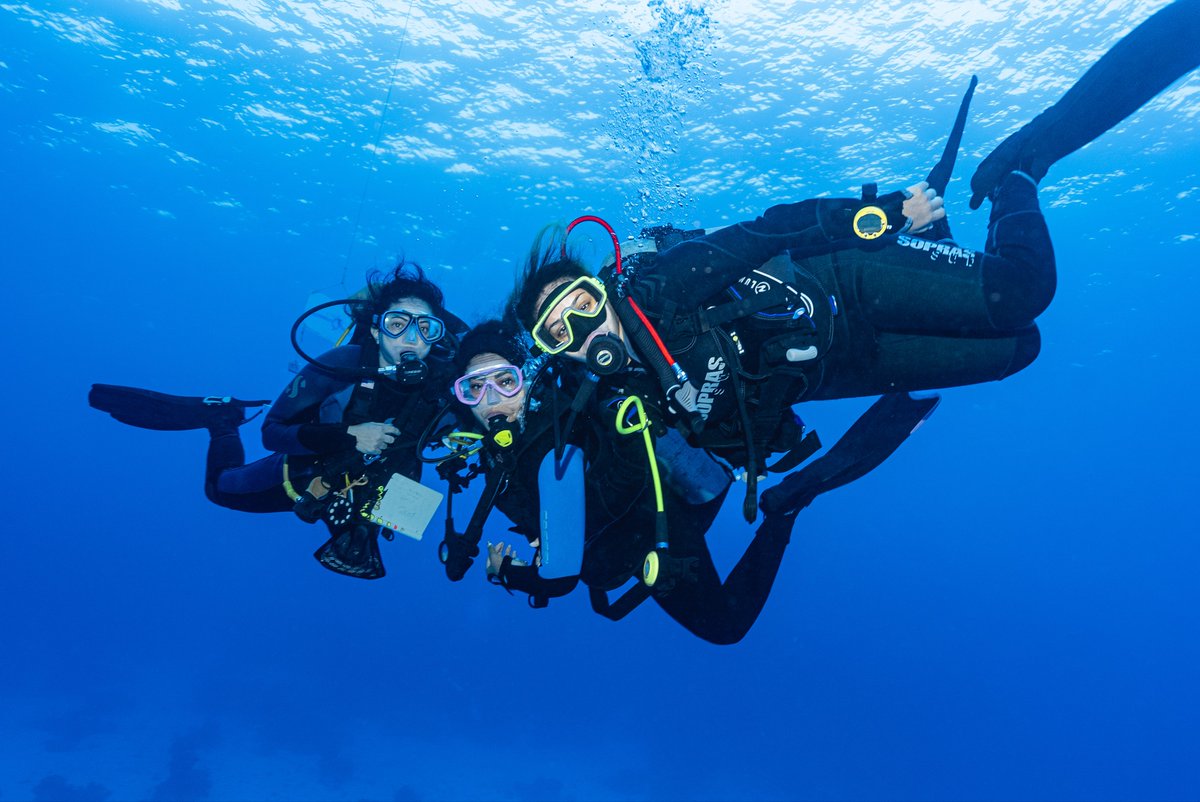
<point>1007,609</point>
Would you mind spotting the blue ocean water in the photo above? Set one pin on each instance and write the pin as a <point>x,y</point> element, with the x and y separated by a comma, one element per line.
<point>1007,609</point>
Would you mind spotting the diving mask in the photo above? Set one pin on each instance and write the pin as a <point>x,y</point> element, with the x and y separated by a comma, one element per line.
<point>396,322</point>
<point>471,389</point>
<point>565,329</point>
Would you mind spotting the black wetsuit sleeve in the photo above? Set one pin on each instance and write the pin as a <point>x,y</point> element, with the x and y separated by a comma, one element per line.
<point>294,426</point>
<point>521,507</point>
<point>697,269</point>
<point>525,579</point>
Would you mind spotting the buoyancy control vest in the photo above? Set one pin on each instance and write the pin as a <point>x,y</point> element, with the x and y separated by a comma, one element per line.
<point>750,353</point>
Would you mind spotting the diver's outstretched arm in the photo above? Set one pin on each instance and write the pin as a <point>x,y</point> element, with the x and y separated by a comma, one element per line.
<point>1145,62</point>
<point>701,267</point>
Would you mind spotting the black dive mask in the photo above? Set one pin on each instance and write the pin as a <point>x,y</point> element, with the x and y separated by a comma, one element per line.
<point>410,369</point>
<point>606,355</point>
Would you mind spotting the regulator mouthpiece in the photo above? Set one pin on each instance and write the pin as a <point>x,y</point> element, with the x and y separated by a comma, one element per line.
<point>606,355</point>
<point>409,369</point>
<point>501,434</point>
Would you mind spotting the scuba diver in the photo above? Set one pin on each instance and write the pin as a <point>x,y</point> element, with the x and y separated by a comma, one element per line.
<point>828,299</point>
<point>642,506</point>
<point>342,428</point>
<point>725,330</point>
<point>510,441</point>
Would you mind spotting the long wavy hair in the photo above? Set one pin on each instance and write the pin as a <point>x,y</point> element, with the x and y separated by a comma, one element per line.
<point>547,263</point>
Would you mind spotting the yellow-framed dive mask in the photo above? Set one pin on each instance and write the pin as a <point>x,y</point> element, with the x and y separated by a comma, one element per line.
<point>584,314</point>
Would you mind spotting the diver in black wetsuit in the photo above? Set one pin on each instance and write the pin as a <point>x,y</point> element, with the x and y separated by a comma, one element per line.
<point>831,298</point>
<point>741,322</point>
<point>727,329</point>
<point>372,398</point>
<point>623,521</point>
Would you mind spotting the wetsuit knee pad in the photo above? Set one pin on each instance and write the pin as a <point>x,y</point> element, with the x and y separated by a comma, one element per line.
<point>1028,346</point>
<point>1020,283</point>
<point>1019,288</point>
<point>257,487</point>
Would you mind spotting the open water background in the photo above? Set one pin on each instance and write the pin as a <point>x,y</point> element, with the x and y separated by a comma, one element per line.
<point>1008,609</point>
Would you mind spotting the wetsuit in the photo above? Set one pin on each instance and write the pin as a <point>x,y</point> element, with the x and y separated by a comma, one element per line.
<point>863,318</point>
<point>307,424</point>
<point>620,528</point>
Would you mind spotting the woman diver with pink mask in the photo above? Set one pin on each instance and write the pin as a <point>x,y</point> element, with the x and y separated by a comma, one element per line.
<point>628,498</point>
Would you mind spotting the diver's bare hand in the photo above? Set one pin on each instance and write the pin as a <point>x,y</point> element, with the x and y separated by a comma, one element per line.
<point>372,438</point>
<point>496,554</point>
<point>924,208</point>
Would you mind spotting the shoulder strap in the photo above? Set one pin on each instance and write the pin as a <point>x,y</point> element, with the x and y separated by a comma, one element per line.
<point>623,606</point>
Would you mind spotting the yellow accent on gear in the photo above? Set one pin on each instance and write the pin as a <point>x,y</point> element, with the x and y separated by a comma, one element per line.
<point>287,483</point>
<point>641,424</point>
<point>650,569</point>
<point>870,211</point>
<point>462,443</point>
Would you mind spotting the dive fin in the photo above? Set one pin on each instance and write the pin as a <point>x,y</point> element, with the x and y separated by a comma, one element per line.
<point>939,176</point>
<point>148,409</point>
<point>1145,62</point>
<point>872,439</point>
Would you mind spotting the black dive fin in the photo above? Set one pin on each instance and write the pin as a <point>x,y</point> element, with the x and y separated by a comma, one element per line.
<point>1146,61</point>
<point>939,176</point>
<point>873,438</point>
<point>148,409</point>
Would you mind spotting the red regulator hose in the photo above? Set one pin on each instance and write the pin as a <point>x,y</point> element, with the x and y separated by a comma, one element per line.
<point>591,218</point>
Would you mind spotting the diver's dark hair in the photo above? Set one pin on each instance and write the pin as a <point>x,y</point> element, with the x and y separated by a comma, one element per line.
<point>406,280</point>
<point>491,336</point>
<point>546,264</point>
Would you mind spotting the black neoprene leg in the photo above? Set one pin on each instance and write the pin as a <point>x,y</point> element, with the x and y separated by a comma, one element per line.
<point>917,286</point>
<point>887,363</point>
<point>916,315</point>
<point>225,452</point>
<point>228,482</point>
<point>1019,275</point>
<point>722,613</point>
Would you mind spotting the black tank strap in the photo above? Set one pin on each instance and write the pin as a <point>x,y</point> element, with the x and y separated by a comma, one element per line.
<point>623,606</point>
<point>744,307</point>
